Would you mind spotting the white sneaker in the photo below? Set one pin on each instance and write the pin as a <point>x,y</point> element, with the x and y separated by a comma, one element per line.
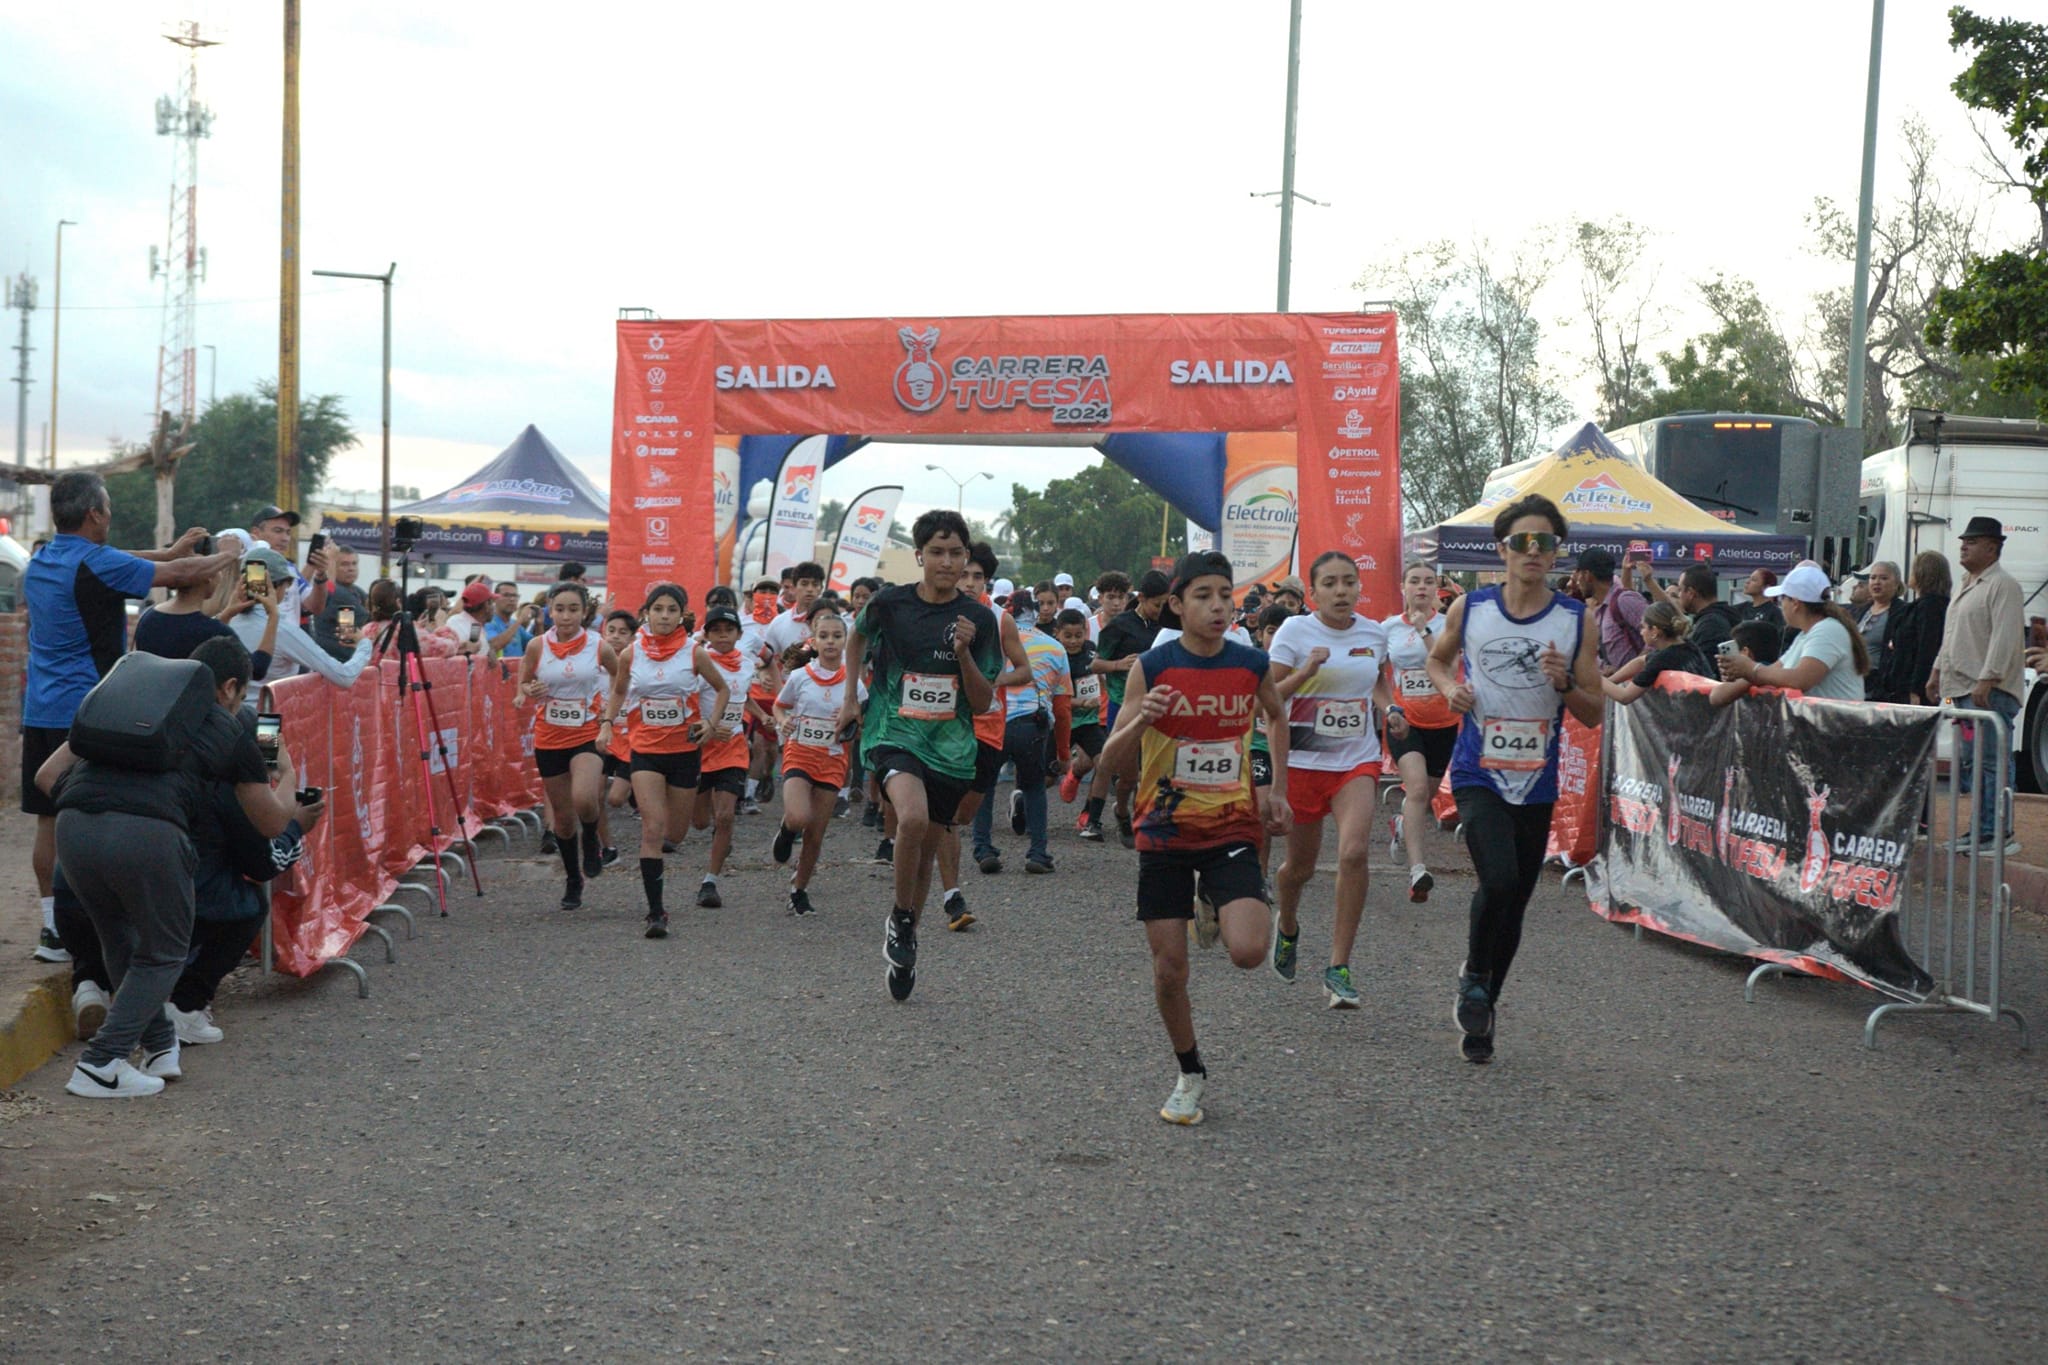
<point>194,1026</point>
<point>1184,1105</point>
<point>89,1007</point>
<point>117,1080</point>
<point>1394,833</point>
<point>163,1065</point>
<point>1420,883</point>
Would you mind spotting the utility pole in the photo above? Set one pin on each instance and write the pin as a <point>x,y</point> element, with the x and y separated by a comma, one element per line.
<point>1287,152</point>
<point>1859,326</point>
<point>183,264</point>
<point>288,273</point>
<point>56,335</point>
<point>384,484</point>
<point>21,294</point>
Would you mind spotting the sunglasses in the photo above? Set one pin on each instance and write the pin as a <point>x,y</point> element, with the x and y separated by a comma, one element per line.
<point>1532,543</point>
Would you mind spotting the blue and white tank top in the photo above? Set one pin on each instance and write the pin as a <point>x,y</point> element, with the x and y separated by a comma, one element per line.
<point>1508,741</point>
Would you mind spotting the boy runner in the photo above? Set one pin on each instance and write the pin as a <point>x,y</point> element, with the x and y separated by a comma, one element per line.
<point>1188,727</point>
<point>1527,656</point>
<point>934,653</point>
<point>1087,734</point>
<point>1124,637</point>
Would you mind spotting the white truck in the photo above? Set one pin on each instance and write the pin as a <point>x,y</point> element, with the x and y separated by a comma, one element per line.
<point>1918,496</point>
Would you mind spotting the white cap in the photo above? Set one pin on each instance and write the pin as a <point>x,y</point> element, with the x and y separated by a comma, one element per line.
<point>1002,587</point>
<point>1807,583</point>
<point>1063,580</point>
<point>1074,604</point>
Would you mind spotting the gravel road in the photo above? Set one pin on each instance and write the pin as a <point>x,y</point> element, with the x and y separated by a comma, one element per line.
<point>545,1136</point>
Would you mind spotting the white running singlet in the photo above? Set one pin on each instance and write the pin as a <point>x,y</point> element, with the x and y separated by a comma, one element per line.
<point>1508,741</point>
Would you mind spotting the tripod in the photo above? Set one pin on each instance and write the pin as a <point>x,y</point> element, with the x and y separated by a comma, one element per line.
<point>412,680</point>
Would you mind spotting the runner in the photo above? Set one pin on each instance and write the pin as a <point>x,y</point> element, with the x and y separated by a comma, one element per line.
<point>1036,712</point>
<point>1330,666</point>
<point>566,670</point>
<point>1269,620</point>
<point>660,678</point>
<point>618,755</point>
<point>1124,637</point>
<point>813,756</point>
<point>989,726</point>
<point>765,681</point>
<point>722,760</point>
<point>1526,656</point>
<point>1424,753</point>
<point>917,729</point>
<point>1088,734</point>
<point>1188,729</point>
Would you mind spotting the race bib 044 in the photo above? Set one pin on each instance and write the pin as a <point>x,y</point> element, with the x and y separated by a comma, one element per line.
<point>1517,746</point>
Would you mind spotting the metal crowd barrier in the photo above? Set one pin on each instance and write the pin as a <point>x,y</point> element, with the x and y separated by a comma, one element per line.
<point>1955,915</point>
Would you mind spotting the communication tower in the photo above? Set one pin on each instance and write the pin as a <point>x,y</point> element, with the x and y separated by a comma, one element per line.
<point>21,293</point>
<point>182,261</point>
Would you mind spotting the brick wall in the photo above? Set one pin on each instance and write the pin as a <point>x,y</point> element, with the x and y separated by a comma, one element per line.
<point>13,677</point>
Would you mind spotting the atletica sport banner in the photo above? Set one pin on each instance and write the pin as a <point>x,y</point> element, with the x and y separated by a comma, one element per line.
<point>1330,379</point>
<point>863,533</point>
<point>793,508</point>
<point>1778,827</point>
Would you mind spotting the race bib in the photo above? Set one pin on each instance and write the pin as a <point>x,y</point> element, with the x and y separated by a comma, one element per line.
<point>734,715</point>
<point>567,714</point>
<point>668,711</point>
<point>1517,746</point>
<point>816,732</point>
<point>1337,720</point>
<point>1088,689</point>
<point>1414,682</point>
<point>1216,766</point>
<point>929,696</point>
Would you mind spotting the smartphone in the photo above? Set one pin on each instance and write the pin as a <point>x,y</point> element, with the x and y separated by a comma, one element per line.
<point>1725,647</point>
<point>206,546</point>
<point>317,543</point>
<point>848,731</point>
<point>269,730</point>
<point>346,616</point>
<point>307,796</point>
<point>254,574</point>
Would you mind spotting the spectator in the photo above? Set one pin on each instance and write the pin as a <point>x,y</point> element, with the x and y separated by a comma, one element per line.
<point>1712,620</point>
<point>1879,620</point>
<point>1982,666</point>
<point>273,526</point>
<point>472,622</point>
<point>507,628</point>
<point>1668,646</point>
<point>1760,606</point>
<point>123,839</point>
<point>1915,634</point>
<point>1827,659</point>
<point>1617,611</point>
<point>76,590</point>
<point>342,595</point>
<point>199,612</point>
<point>295,651</point>
<point>1760,642</point>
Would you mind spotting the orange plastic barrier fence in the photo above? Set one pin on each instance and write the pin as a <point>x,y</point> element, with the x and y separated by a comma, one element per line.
<point>362,747</point>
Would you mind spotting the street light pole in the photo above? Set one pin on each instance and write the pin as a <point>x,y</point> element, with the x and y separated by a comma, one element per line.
<point>959,485</point>
<point>212,375</point>
<point>1287,153</point>
<point>384,488</point>
<point>56,334</point>
<point>1859,327</point>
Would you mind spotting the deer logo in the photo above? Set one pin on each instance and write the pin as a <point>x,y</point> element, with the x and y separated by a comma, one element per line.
<point>919,385</point>
<point>1815,865</point>
<point>1671,792</point>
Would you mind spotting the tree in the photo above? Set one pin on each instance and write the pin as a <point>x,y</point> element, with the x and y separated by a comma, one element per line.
<point>1747,363</point>
<point>232,466</point>
<point>1999,309</point>
<point>1476,392</point>
<point>1616,287</point>
<point>830,513</point>
<point>1100,519</point>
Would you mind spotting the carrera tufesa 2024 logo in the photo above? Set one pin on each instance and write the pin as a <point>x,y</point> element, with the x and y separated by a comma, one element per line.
<point>1073,388</point>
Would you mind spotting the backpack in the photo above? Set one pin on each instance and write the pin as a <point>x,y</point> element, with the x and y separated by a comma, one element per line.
<point>145,714</point>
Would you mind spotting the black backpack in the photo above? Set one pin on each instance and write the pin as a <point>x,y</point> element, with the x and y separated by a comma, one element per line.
<point>144,714</point>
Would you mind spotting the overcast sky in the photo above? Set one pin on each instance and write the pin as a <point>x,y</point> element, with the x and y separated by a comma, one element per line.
<point>531,168</point>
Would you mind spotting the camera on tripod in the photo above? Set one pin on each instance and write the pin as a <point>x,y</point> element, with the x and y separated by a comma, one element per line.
<point>405,533</point>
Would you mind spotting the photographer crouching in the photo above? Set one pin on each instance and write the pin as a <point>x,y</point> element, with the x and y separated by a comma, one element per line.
<point>147,751</point>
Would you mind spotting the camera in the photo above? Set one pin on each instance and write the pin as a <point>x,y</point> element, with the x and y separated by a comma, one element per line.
<point>405,533</point>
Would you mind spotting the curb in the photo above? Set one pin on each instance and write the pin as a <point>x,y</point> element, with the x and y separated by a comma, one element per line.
<point>40,1028</point>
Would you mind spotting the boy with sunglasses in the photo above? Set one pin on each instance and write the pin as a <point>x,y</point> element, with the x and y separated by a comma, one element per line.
<point>1528,655</point>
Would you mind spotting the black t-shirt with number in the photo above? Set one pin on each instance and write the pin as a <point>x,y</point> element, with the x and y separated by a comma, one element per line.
<point>916,674</point>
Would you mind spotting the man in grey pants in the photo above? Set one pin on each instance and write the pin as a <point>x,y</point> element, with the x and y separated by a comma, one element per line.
<point>123,845</point>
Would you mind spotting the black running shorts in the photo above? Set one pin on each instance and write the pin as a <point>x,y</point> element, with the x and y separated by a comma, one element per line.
<point>942,793</point>
<point>37,744</point>
<point>1434,745</point>
<point>1166,880</point>
<point>733,780</point>
<point>555,762</point>
<point>680,770</point>
<point>614,766</point>
<point>1089,739</point>
<point>988,765</point>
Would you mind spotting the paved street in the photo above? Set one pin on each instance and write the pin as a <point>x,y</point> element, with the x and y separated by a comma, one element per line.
<point>545,1136</point>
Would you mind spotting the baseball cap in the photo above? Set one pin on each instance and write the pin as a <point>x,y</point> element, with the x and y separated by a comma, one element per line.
<point>274,564</point>
<point>476,594</point>
<point>721,615</point>
<point>272,512</point>
<point>1074,604</point>
<point>1153,584</point>
<point>1599,563</point>
<point>1063,580</point>
<point>1200,564</point>
<point>1290,584</point>
<point>1807,583</point>
<point>1001,588</point>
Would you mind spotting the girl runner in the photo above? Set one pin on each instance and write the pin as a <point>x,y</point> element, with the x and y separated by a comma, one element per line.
<point>813,756</point>
<point>722,774</point>
<point>618,755</point>
<point>1329,667</point>
<point>662,674</point>
<point>1424,753</point>
<point>1527,655</point>
<point>565,671</point>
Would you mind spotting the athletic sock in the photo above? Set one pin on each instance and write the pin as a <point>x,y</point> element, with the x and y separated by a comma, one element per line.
<point>1191,1062</point>
<point>1094,810</point>
<point>650,881</point>
<point>567,848</point>
<point>951,892</point>
<point>590,834</point>
<point>710,878</point>
<point>49,914</point>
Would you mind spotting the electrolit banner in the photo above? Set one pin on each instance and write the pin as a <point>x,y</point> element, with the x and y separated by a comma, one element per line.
<point>862,534</point>
<point>1259,505</point>
<point>725,497</point>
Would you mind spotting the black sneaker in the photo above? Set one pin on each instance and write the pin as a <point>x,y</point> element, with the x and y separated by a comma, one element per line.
<point>1474,1015</point>
<point>668,846</point>
<point>1090,830</point>
<point>1124,831</point>
<point>611,855</point>
<point>871,816</point>
<point>1034,863</point>
<point>840,807</point>
<point>800,902</point>
<point>885,852</point>
<point>899,950</point>
<point>958,917</point>
<point>1018,825</point>
<point>549,844</point>
<point>572,895</point>
<point>657,926</point>
<point>990,862</point>
<point>707,894</point>
<point>593,860</point>
<point>785,837</point>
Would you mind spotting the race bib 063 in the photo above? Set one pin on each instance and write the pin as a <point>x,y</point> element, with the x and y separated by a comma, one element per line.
<point>1341,719</point>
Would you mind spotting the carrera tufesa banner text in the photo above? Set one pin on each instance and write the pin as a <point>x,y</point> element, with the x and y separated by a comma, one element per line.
<point>1779,827</point>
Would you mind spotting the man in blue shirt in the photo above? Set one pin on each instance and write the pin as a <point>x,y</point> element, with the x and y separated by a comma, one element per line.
<point>77,590</point>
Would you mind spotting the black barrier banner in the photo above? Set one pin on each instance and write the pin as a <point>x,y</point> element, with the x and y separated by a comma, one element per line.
<point>1778,827</point>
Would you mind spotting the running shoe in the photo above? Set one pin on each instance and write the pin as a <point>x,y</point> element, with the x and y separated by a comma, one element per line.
<point>611,855</point>
<point>707,894</point>
<point>1091,830</point>
<point>195,1027</point>
<point>1475,1049</point>
<point>1070,786</point>
<point>163,1064</point>
<point>1207,927</point>
<point>989,861</point>
<point>1473,1010</point>
<point>958,917</point>
<point>871,817</point>
<point>50,948</point>
<point>549,844</point>
<point>785,838</point>
<point>885,852</point>
<point>1018,825</point>
<point>89,1007</point>
<point>1420,883</point>
<point>840,807</point>
<point>750,807</point>
<point>1338,990</point>
<point>593,859</point>
<point>572,895</point>
<point>899,950</point>
<point>1284,945</point>
<point>1038,864</point>
<point>668,845</point>
<point>657,925</point>
<point>115,1080</point>
<point>1184,1105</point>
<point>799,901</point>
<point>1124,830</point>
<point>1394,830</point>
